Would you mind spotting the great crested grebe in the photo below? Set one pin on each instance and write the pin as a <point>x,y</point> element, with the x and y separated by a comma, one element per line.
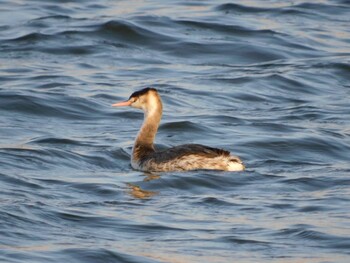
<point>180,158</point>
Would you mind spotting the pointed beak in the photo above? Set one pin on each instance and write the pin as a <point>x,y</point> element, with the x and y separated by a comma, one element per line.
<point>122,104</point>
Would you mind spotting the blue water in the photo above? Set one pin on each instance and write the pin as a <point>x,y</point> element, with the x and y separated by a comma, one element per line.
<point>267,80</point>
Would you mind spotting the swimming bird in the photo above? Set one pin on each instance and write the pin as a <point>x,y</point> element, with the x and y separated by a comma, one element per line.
<point>179,158</point>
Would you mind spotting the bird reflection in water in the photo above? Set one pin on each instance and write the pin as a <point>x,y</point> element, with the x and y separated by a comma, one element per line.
<point>136,191</point>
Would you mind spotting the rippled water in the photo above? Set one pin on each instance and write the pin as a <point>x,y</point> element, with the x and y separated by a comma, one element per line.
<point>267,80</point>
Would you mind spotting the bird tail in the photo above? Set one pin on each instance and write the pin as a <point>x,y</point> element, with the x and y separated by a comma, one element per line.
<point>235,164</point>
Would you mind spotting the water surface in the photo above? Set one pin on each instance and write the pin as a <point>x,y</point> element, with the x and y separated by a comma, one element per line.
<point>267,80</point>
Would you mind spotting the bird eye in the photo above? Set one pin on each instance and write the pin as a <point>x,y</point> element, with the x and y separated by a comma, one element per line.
<point>132,99</point>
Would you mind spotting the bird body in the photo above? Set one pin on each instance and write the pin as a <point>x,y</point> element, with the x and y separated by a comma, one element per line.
<point>179,158</point>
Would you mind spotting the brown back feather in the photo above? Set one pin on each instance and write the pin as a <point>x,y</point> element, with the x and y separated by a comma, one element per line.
<point>185,150</point>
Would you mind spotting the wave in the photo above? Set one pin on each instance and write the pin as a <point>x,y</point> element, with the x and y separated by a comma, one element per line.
<point>319,239</point>
<point>49,105</point>
<point>93,39</point>
<point>64,157</point>
<point>285,9</point>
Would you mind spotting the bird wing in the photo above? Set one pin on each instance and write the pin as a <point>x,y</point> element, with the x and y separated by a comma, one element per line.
<point>188,149</point>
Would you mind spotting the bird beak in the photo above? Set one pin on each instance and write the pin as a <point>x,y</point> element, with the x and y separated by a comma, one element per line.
<point>122,104</point>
